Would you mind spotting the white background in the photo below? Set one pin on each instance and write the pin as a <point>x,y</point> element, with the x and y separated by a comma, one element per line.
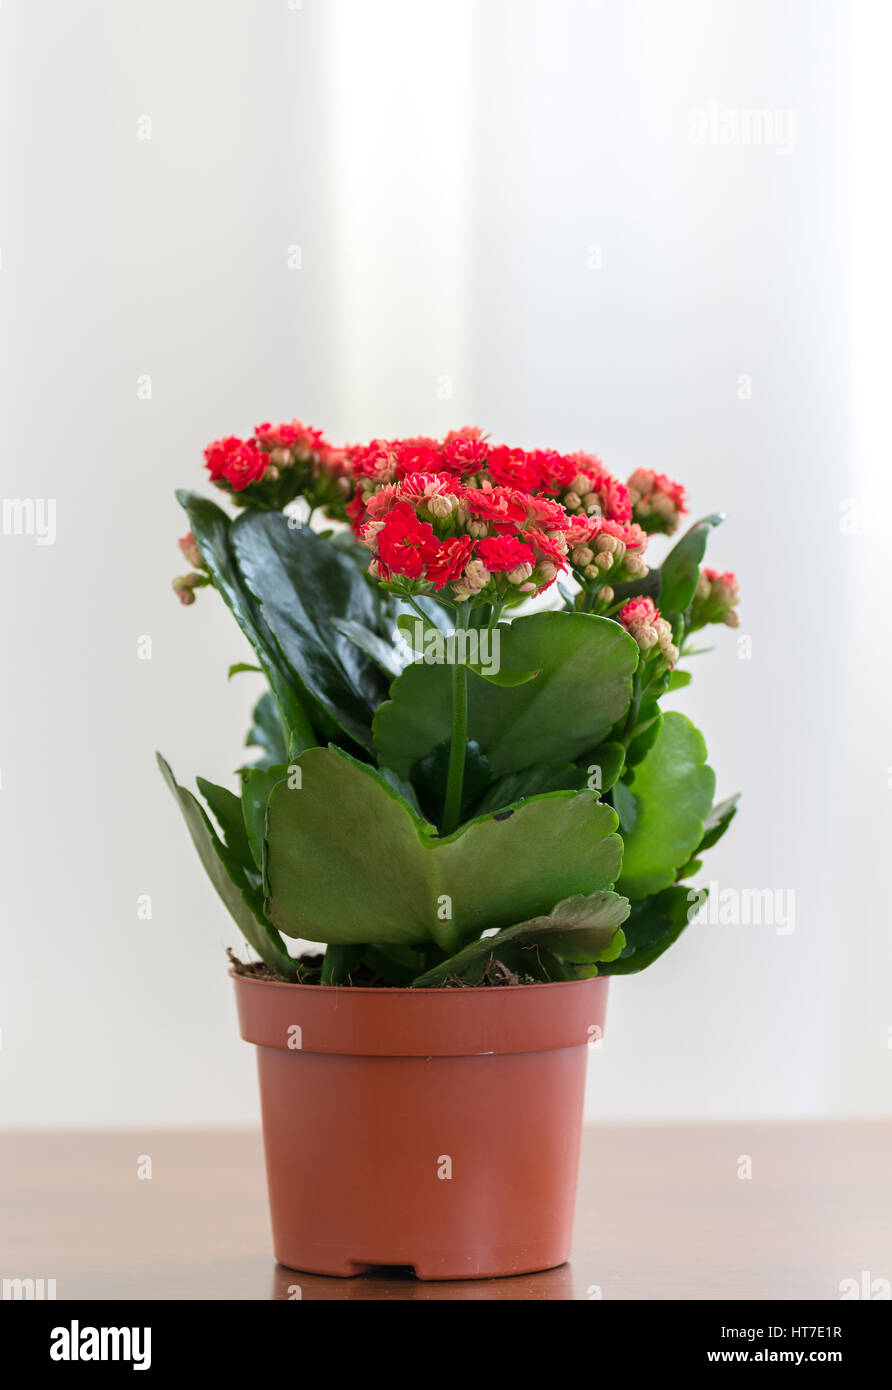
<point>451,173</point>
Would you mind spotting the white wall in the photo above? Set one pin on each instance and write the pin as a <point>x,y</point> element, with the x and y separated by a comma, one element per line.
<point>447,171</point>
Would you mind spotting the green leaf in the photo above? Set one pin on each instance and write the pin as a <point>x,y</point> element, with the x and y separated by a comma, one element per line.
<point>625,804</point>
<point>376,648</point>
<point>257,784</point>
<point>678,680</point>
<point>266,732</point>
<point>603,766</point>
<point>227,809</point>
<point>348,861</point>
<point>430,776</point>
<point>517,787</point>
<point>227,876</point>
<point>398,965</point>
<point>717,822</point>
<point>213,532</point>
<point>300,583</point>
<point>681,568</point>
<point>580,928</point>
<point>239,666</point>
<point>583,689</point>
<point>654,924</point>
<point>646,732</point>
<point>436,648</point>
<point>674,790</point>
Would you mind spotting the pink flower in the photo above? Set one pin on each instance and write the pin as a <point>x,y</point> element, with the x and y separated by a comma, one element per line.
<point>641,618</point>
<point>657,502</point>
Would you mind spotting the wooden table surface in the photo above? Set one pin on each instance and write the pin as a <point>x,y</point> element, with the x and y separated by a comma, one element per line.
<point>664,1211</point>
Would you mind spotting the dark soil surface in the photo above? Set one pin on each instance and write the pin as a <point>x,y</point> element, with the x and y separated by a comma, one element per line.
<point>494,974</point>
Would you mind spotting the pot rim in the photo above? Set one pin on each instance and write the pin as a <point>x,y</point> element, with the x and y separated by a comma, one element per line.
<point>462,990</point>
<point>405,1022</point>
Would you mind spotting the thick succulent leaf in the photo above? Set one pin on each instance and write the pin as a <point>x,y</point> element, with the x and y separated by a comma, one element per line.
<point>653,925</point>
<point>681,568</point>
<point>349,861</point>
<point>227,809</point>
<point>583,689</point>
<point>213,531</point>
<point>650,721</point>
<point>300,583</point>
<point>257,784</point>
<point>602,766</point>
<point>430,776</point>
<point>227,876</point>
<point>717,822</point>
<point>580,928</point>
<point>532,781</point>
<point>384,654</point>
<point>678,680</point>
<point>673,788</point>
<point>477,648</point>
<point>625,804</point>
<point>266,732</point>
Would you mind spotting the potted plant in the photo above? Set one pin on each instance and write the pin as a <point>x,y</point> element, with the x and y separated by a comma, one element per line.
<point>470,798</point>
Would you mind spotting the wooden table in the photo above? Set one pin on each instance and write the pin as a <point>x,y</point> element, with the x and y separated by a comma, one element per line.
<point>662,1213</point>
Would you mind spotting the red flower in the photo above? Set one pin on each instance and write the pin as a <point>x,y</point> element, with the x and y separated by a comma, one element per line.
<point>513,468</point>
<point>292,435</point>
<point>503,505</point>
<point>416,456</point>
<point>556,471</point>
<point>447,561</point>
<point>404,542</point>
<point>504,553</point>
<point>245,465</point>
<point>236,462</point>
<point>217,454</point>
<point>464,453</point>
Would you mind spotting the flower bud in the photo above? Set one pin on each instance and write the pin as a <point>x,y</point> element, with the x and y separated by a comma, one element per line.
<point>636,566</point>
<point>184,587</point>
<point>581,485</point>
<point>591,572</point>
<point>519,574</point>
<point>582,556</point>
<point>604,560</point>
<point>475,577</point>
<point>609,545</point>
<point>478,529</point>
<point>731,618</point>
<point>591,504</point>
<point>606,595</point>
<point>547,571</point>
<point>189,549</point>
<point>439,506</point>
<point>572,501</point>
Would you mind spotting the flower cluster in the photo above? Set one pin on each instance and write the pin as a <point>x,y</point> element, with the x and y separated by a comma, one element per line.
<point>277,464</point>
<point>657,502</point>
<point>641,618</point>
<point>464,517</point>
<point>430,532</point>
<point>715,600</point>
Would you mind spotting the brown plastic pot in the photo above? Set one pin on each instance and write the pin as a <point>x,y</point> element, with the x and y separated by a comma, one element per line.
<point>434,1128</point>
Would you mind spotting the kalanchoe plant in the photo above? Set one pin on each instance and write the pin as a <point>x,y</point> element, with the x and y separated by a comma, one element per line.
<point>445,783</point>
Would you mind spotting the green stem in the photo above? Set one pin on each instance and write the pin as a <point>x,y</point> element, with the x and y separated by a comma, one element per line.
<point>458,748</point>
